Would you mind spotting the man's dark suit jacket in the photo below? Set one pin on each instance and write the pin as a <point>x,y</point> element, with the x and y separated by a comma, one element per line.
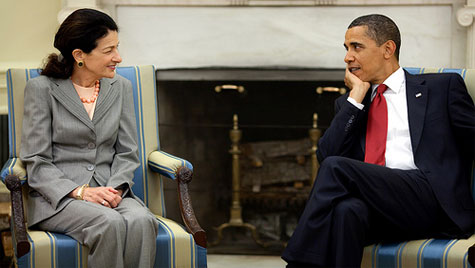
<point>442,128</point>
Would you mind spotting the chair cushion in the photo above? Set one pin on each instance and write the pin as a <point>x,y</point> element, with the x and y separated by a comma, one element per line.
<point>14,167</point>
<point>166,164</point>
<point>419,253</point>
<point>50,249</point>
<point>175,248</point>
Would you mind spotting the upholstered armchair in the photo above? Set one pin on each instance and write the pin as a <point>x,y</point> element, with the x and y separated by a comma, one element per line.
<point>428,252</point>
<point>176,246</point>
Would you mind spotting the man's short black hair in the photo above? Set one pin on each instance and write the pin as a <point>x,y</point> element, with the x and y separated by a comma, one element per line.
<point>380,29</point>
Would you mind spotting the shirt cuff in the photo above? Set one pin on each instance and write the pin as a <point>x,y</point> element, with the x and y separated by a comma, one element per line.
<point>357,105</point>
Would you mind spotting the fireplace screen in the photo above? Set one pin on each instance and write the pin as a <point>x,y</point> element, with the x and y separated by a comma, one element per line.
<point>276,110</point>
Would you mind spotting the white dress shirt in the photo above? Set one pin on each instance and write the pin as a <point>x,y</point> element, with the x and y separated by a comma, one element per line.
<point>398,144</point>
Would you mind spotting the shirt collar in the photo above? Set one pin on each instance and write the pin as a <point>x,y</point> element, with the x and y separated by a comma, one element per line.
<point>394,81</point>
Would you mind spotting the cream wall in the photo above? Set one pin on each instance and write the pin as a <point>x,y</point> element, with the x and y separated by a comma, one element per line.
<point>27,29</point>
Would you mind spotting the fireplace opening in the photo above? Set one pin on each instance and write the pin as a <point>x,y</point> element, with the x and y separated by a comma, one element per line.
<point>275,108</point>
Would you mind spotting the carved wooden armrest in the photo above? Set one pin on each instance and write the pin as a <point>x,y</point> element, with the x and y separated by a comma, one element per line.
<point>184,176</point>
<point>18,217</point>
<point>181,170</point>
<point>471,255</point>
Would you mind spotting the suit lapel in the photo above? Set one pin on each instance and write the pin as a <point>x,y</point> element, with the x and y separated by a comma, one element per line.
<point>65,93</point>
<point>417,96</point>
<point>107,96</point>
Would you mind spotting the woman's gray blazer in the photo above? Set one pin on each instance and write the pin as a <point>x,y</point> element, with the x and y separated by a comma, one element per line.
<point>63,148</point>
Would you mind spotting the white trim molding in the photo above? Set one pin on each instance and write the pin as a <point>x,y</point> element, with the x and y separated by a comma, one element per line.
<point>290,3</point>
<point>69,6</point>
<point>465,18</point>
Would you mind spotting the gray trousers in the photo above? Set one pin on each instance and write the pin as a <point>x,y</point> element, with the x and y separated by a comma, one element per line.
<point>116,237</point>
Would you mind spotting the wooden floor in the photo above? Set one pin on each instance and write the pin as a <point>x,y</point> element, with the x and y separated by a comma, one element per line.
<point>248,261</point>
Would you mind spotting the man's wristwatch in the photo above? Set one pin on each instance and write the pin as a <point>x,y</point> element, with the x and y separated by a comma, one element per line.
<point>80,193</point>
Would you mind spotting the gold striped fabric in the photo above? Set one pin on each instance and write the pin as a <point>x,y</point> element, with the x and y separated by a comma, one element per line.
<point>16,82</point>
<point>175,248</point>
<point>178,246</point>
<point>53,250</point>
<point>166,164</point>
<point>15,167</point>
<point>443,253</point>
<point>148,185</point>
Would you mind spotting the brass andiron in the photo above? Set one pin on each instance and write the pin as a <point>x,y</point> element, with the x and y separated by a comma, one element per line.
<point>236,210</point>
<point>315,135</point>
<point>340,90</point>
<point>239,89</point>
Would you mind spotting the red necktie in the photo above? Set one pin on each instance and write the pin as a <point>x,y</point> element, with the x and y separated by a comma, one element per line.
<point>377,129</point>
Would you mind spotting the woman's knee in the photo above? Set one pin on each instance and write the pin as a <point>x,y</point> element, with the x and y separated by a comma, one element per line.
<point>141,217</point>
<point>112,219</point>
<point>106,226</point>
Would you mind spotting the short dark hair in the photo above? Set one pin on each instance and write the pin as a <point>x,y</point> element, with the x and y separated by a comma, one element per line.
<point>80,30</point>
<point>380,29</point>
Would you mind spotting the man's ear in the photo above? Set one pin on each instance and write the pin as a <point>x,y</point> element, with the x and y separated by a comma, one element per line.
<point>78,55</point>
<point>389,49</point>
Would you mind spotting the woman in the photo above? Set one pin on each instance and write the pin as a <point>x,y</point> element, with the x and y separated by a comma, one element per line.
<point>79,146</point>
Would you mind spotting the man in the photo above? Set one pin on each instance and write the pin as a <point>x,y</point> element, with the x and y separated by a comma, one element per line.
<point>395,161</point>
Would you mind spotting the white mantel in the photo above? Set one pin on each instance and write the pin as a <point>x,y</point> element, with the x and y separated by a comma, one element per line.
<point>304,33</point>
<point>465,18</point>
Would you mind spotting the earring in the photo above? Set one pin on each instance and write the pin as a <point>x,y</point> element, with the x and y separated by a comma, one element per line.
<point>80,64</point>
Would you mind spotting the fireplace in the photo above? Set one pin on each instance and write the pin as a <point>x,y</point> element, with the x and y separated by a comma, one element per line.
<point>275,107</point>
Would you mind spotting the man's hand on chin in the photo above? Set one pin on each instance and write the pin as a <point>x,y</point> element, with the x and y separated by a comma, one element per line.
<point>357,87</point>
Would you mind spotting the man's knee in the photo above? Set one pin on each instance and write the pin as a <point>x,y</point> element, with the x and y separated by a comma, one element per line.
<point>353,208</point>
<point>333,168</point>
<point>334,162</point>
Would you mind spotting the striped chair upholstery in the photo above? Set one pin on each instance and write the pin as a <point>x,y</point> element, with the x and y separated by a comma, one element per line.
<point>432,253</point>
<point>175,246</point>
